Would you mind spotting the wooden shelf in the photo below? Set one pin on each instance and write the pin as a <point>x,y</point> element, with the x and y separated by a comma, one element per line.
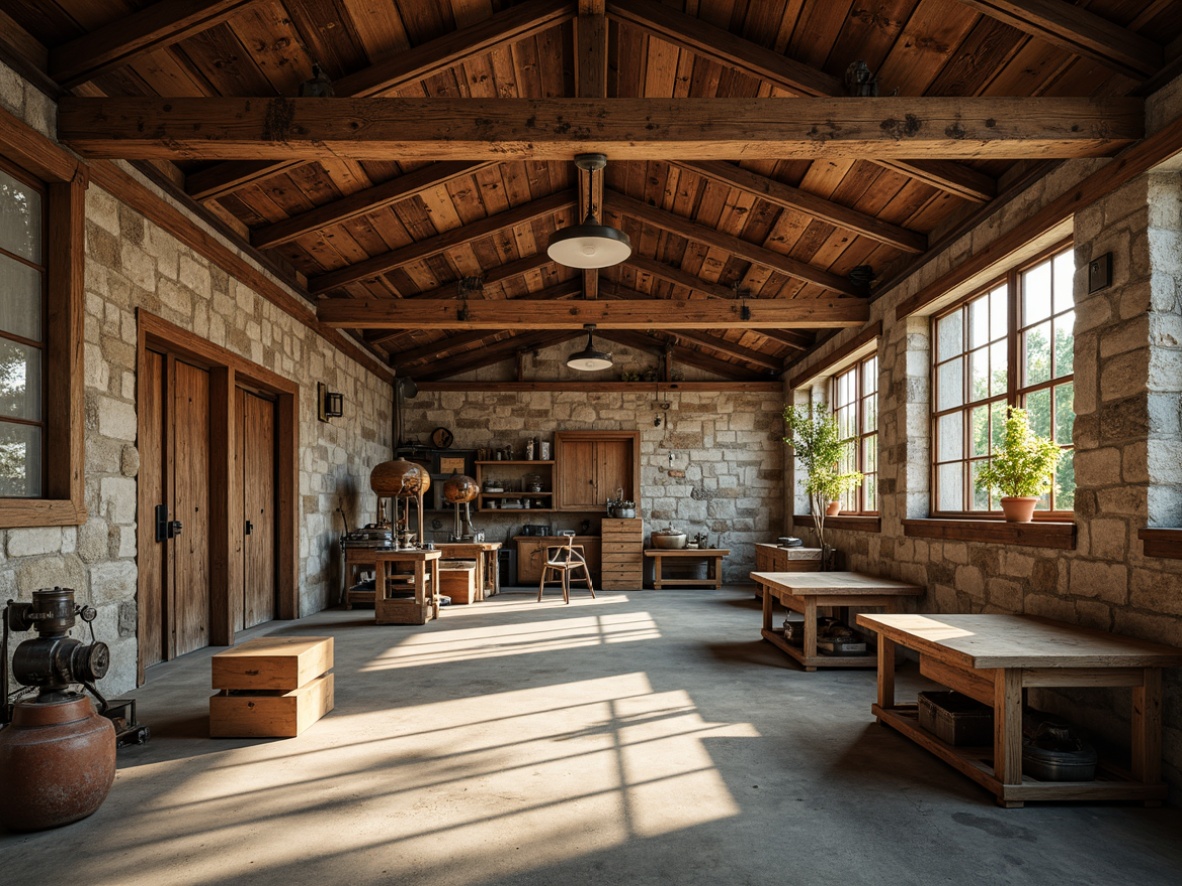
<point>864,660</point>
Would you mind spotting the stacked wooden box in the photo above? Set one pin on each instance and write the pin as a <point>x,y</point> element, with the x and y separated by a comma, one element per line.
<point>773,558</point>
<point>622,554</point>
<point>457,580</point>
<point>272,687</point>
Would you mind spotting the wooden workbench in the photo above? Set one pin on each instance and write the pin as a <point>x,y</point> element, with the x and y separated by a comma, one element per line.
<point>712,556</point>
<point>993,658</point>
<point>423,579</point>
<point>488,581</point>
<point>806,592</point>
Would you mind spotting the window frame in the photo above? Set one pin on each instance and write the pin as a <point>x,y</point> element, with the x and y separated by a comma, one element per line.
<point>857,404</point>
<point>1017,388</point>
<point>64,179</point>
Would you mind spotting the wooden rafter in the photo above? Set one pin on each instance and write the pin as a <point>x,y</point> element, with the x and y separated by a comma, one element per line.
<point>501,351</point>
<point>622,128</point>
<point>796,200</point>
<point>590,29</point>
<point>733,51</point>
<point>1078,31</point>
<point>387,261</point>
<point>126,38</point>
<point>743,249</point>
<point>363,202</point>
<point>664,346</point>
<point>398,70</point>
<point>657,313</point>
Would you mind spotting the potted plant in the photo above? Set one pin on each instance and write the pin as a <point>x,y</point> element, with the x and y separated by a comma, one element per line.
<point>1022,468</point>
<point>814,436</point>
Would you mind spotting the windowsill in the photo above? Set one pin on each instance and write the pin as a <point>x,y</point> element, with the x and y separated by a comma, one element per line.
<point>1038,534</point>
<point>1164,543</point>
<point>854,523</point>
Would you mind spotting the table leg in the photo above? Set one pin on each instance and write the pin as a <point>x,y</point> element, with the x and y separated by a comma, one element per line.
<point>767,608</point>
<point>657,572</point>
<point>481,577</point>
<point>1147,728</point>
<point>886,673</point>
<point>810,632</point>
<point>434,587</point>
<point>494,561</point>
<point>1007,725</point>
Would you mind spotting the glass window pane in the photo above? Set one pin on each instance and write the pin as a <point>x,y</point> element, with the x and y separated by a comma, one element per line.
<point>870,492</point>
<point>950,436</point>
<point>950,335</point>
<point>20,218</point>
<point>1064,264</point>
<point>951,492</point>
<point>1036,294</point>
<point>981,501</point>
<point>20,305</point>
<point>979,375</point>
<point>1065,482</point>
<point>20,381</point>
<point>949,385</point>
<point>870,414</point>
<point>1065,344</point>
<point>1036,347</point>
<point>978,322</point>
<point>1064,413</point>
<point>870,454</point>
<point>1038,407</point>
<point>999,376</point>
<point>998,424</point>
<point>20,461</point>
<point>999,312</point>
<point>870,376</point>
<point>979,430</point>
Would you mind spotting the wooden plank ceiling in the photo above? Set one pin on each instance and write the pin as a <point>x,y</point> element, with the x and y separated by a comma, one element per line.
<point>415,204</point>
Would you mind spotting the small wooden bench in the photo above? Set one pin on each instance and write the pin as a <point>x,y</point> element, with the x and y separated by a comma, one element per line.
<point>712,556</point>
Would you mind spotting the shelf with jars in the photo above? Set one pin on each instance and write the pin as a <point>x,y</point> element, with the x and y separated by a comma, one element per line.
<point>515,485</point>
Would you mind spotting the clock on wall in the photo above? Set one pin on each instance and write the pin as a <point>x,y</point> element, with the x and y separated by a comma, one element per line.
<point>442,438</point>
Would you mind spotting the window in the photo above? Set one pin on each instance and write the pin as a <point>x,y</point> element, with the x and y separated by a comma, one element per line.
<point>855,406</point>
<point>1012,344</point>
<point>22,335</point>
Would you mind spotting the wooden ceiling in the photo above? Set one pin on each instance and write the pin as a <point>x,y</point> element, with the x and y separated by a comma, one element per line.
<point>764,201</point>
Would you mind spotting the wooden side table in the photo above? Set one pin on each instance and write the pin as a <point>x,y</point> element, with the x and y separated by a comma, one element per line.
<point>424,579</point>
<point>712,556</point>
<point>806,592</point>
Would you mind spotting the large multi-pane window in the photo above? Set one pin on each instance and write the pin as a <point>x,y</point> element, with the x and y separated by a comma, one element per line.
<point>22,335</point>
<point>855,405</point>
<point>1009,345</point>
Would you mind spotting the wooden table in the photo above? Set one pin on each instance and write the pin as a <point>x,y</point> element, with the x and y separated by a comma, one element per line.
<point>712,556</point>
<point>425,580</point>
<point>488,581</point>
<point>993,658</point>
<point>806,592</point>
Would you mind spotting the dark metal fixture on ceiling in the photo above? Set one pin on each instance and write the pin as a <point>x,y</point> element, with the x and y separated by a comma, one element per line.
<point>590,244</point>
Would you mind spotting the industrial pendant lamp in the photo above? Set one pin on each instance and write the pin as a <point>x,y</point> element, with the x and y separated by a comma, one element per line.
<point>589,245</point>
<point>589,359</point>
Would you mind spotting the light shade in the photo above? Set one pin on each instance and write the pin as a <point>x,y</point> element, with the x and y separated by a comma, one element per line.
<point>589,245</point>
<point>589,359</point>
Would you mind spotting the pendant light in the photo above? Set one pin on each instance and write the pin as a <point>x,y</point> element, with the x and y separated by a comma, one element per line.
<point>589,245</point>
<point>589,359</point>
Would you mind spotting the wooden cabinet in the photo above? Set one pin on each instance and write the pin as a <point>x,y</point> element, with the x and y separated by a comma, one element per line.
<point>622,554</point>
<point>510,478</point>
<point>531,555</point>
<point>593,466</point>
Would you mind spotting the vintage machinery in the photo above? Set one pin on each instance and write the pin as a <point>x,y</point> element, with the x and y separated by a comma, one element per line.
<point>460,489</point>
<point>57,754</point>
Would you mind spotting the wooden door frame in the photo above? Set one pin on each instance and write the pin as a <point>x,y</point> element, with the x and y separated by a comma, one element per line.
<point>227,370</point>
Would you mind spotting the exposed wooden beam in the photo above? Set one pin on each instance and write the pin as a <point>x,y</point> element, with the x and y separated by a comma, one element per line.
<point>795,200</point>
<point>118,43</point>
<point>387,261</point>
<point>622,128</point>
<point>667,350</point>
<point>743,249</point>
<point>500,351</point>
<point>590,31</point>
<point>397,70</point>
<point>363,202</point>
<point>1078,31</point>
<point>613,387</point>
<point>769,66</point>
<point>657,313</point>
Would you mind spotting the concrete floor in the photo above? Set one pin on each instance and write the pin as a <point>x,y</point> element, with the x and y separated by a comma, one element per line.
<point>639,738</point>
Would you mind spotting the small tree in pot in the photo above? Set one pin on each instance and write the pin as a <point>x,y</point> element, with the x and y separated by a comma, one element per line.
<point>1022,468</point>
<point>814,436</point>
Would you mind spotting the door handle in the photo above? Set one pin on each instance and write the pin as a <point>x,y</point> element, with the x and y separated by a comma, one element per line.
<point>162,523</point>
<point>249,527</point>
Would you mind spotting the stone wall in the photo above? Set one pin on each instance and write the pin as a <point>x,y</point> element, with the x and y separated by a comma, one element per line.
<point>1128,462</point>
<point>715,467</point>
<point>131,264</point>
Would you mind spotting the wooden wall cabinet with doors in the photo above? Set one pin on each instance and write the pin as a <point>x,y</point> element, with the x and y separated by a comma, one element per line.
<point>593,466</point>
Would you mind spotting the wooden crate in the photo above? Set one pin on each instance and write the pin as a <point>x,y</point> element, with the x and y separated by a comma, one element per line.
<point>622,554</point>
<point>284,663</point>
<point>773,558</point>
<point>277,714</point>
<point>271,687</point>
<point>457,579</point>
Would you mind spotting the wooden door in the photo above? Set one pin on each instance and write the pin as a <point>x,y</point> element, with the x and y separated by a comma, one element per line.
<point>577,471</point>
<point>613,466</point>
<point>155,608</point>
<point>189,431</point>
<point>256,441</point>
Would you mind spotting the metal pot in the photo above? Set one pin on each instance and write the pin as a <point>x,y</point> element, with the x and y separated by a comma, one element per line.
<point>668,538</point>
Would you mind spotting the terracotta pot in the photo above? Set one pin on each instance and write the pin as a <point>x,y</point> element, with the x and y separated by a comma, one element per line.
<point>1019,510</point>
<point>57,763</point>
<point>833,509</point>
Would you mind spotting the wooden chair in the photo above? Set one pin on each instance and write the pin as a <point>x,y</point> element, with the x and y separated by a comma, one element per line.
<point>563,561</point>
